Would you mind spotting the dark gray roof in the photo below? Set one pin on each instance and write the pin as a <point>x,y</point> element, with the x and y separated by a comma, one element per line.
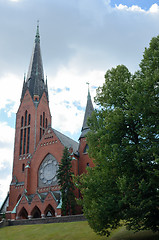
<point>35,78</point>
<point>5,204</point>
<point>66,141</point>
<point>88,112</point>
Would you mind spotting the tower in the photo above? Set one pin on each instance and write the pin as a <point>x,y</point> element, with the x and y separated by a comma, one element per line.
<point>38,149</point>
<point>84,160</point>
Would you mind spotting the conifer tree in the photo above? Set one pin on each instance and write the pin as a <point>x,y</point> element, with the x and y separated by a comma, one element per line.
<point>65,178</point>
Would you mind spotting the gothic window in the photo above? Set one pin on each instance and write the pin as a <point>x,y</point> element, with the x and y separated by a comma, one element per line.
<point>21,140</point>
<point>25,133</point>
<point>43,124</point>
<point>29,119</point>
<point>47,171</point>
<point>28,140</point>
<point>22,121</point>
<point>24,144</point>
<point>40,120</point>
<point>26,113</point>
<point>40,133</point>
<point>43,119</point>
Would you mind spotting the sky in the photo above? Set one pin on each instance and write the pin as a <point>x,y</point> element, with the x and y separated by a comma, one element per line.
<point>80,41</point>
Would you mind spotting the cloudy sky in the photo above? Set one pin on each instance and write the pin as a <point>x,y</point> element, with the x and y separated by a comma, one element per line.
<point>80,40</point>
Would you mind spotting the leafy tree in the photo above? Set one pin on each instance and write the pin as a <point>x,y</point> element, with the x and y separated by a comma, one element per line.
<point>123,141</point>
<point>65,177</point>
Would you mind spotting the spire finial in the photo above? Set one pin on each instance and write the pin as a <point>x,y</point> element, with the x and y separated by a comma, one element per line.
<point>37,37</point>
<point>24,77</point>
<point>89,96</point>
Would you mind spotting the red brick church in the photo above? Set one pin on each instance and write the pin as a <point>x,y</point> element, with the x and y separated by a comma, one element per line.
<point>38,149</point>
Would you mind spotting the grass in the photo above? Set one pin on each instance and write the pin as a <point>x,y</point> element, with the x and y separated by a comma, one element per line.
<point>68,231</point>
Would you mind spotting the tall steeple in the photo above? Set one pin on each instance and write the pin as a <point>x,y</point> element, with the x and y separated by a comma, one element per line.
<point>35,77</point>
<point>88,112</point>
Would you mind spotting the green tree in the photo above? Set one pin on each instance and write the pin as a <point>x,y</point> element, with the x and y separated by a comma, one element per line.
<point>65,179</point>
<point>123,141</point>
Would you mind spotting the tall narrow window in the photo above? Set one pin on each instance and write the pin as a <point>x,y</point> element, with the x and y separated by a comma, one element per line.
<point>46,122</point>
<point>40,133</point>
<point>40,120</point>
<point>25,133</point>
<point>26,113</point>
<point>29,119</point>
<point>22,121</point>
<point>21,141</point>
<point>24,145</point>
<point>43,119</point>
<point>23,167</point>
<point>28,140</point>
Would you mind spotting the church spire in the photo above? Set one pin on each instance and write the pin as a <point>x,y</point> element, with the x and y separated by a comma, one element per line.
<point>88,112</point>
<point>35,77</point>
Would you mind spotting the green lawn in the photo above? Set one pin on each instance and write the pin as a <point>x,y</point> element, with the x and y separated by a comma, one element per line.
<point>67,231</point>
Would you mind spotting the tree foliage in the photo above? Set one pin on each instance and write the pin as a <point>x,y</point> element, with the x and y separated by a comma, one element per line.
<point>65,177</point>
<point>124,143</point>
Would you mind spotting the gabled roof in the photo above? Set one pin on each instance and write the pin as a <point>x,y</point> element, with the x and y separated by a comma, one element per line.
<point>88,112</point>
<point>5,204</point>
<point>66,141</point>
<point>35,77</point>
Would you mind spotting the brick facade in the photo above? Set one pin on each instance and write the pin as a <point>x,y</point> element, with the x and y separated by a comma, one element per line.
<point>34,191</point>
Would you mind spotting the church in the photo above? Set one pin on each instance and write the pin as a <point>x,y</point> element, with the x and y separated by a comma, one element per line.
<point>38,149</point>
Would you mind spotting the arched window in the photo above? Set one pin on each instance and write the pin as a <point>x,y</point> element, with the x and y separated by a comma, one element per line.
<point>41,120</point>
<point>29,119</point>
<point>22,121</point>
<point>21,141</point>
<point>25,133</point>
<point>28,140</point>
<point>46,123</point>
<point>26,113</point>
<point>43,124</point>
<point>24,143</point>
<point>47,174</point>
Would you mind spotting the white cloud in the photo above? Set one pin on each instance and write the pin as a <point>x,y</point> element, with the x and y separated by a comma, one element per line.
<point>6,149</point>
<point>6,159</point>
<point>133,8</point>
<point>11,87</point>
<point>65,115</point>
<point>154,8</point>
<point>4,188</point>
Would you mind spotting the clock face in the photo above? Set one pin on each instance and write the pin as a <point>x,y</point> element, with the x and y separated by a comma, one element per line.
<point>47,171</point>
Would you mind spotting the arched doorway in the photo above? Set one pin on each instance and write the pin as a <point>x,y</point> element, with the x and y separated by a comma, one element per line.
<point>23,214</point>
<point>36,213</point>
<point>49,211</point>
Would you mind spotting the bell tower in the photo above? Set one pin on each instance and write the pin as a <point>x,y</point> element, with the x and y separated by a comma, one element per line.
<point>84,160</point>
<point>32,119</point>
